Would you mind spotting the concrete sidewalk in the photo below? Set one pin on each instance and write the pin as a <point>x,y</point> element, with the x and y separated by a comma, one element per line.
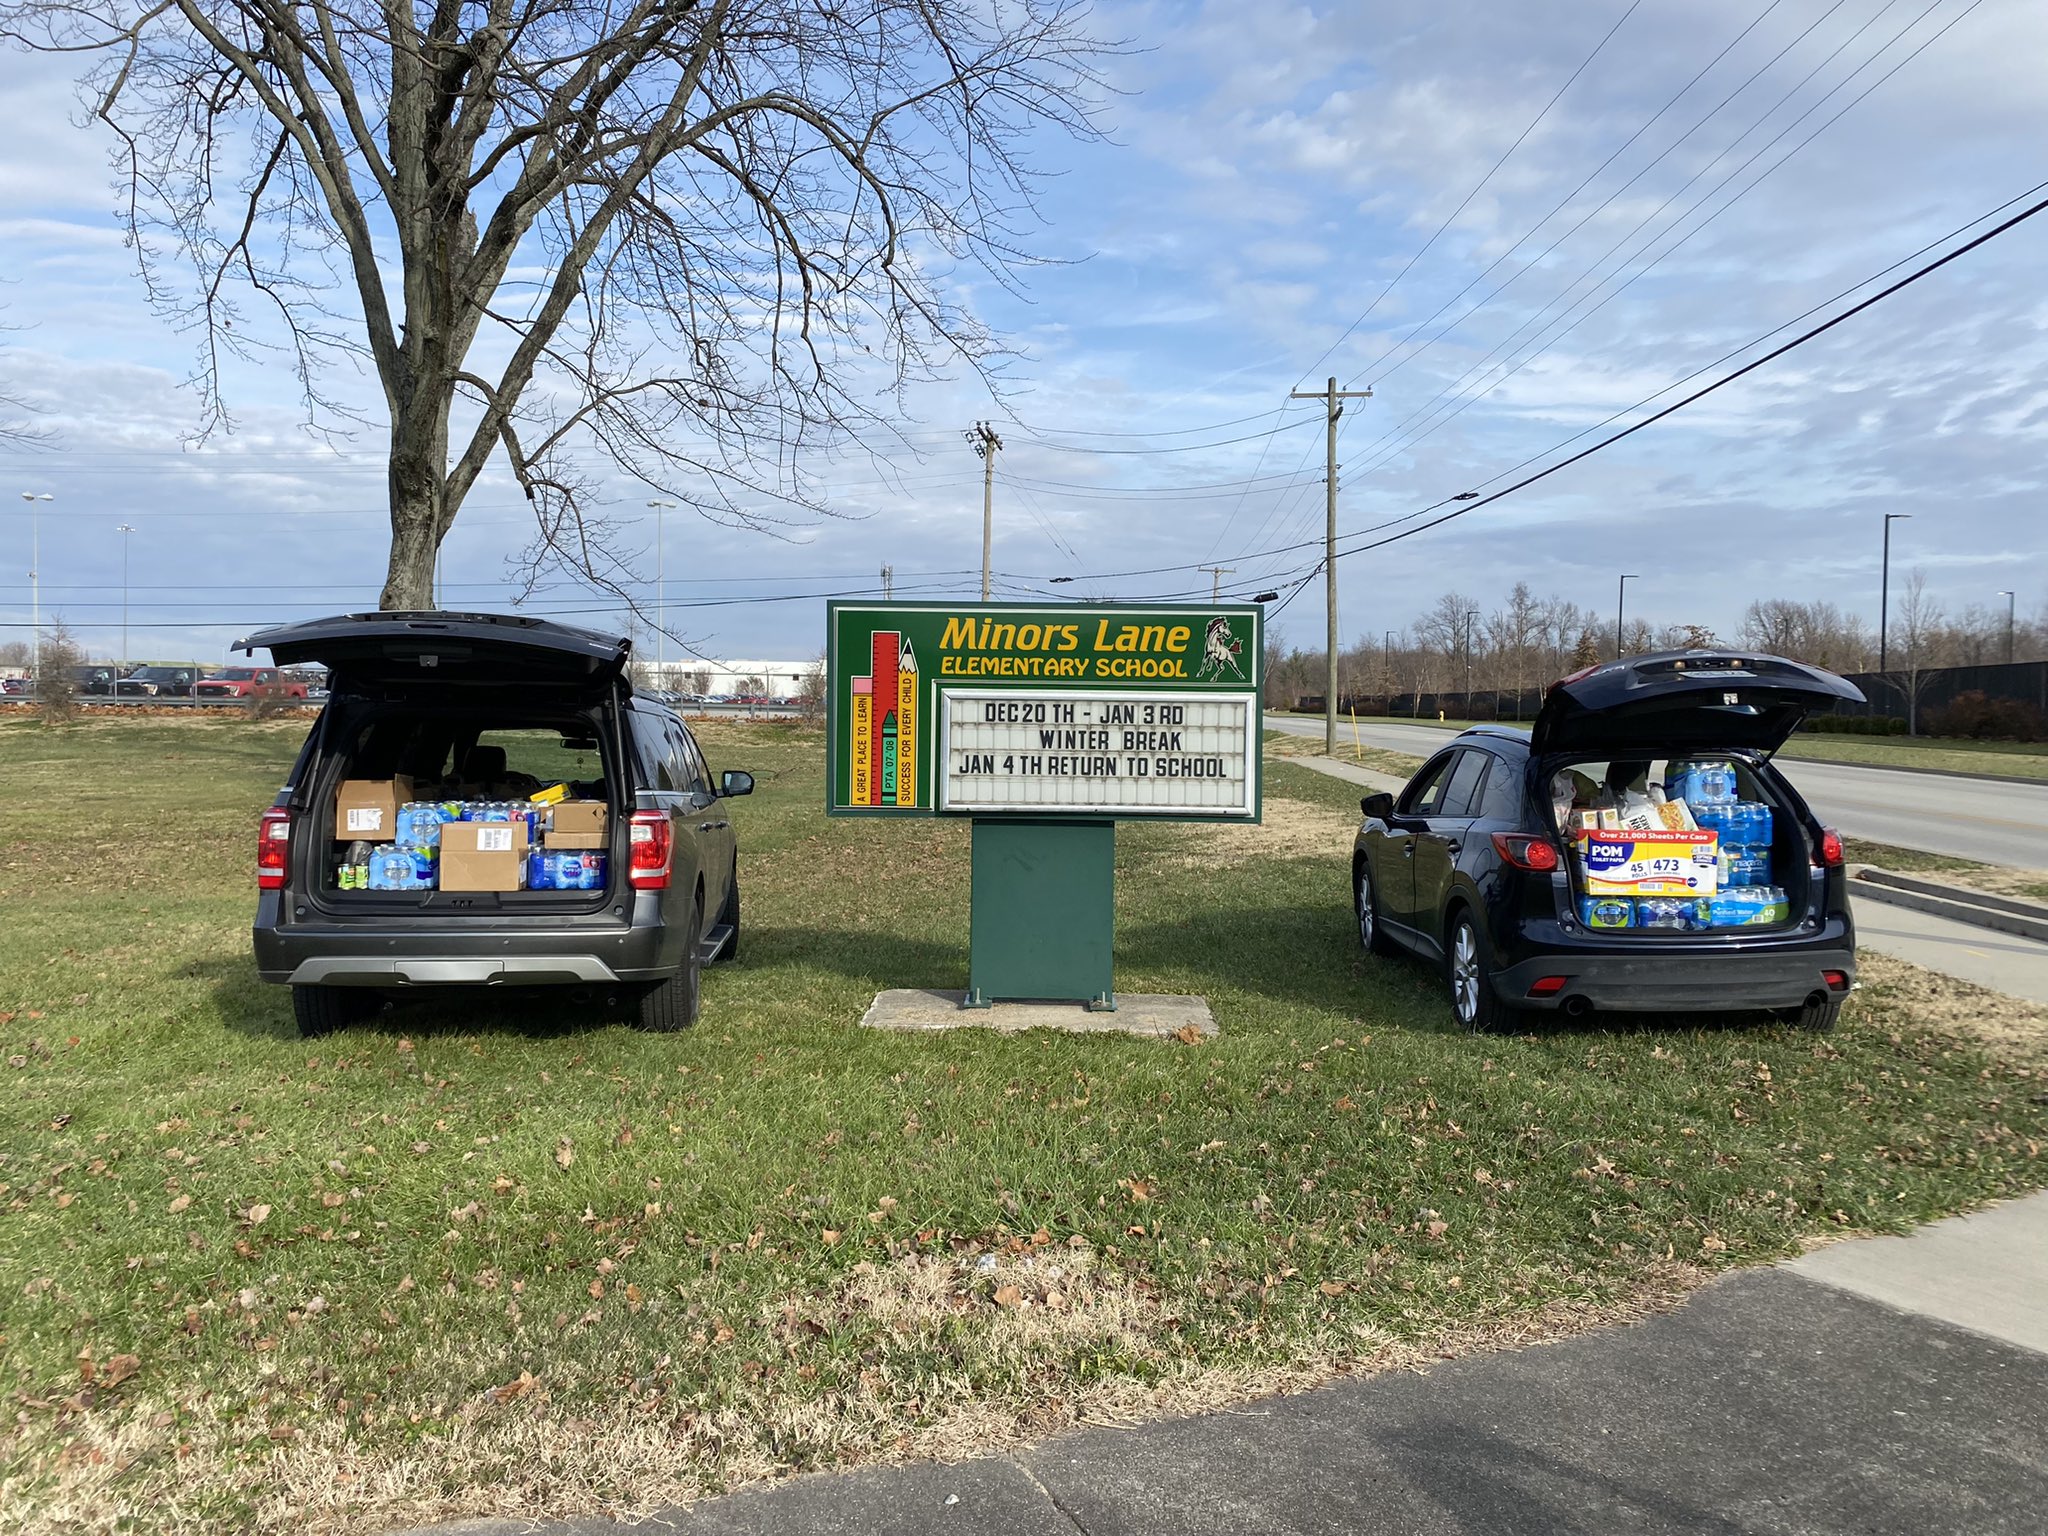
<point>1782,1400</point>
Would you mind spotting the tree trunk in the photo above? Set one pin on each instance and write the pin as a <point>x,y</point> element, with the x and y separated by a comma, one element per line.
<point>420,514</point>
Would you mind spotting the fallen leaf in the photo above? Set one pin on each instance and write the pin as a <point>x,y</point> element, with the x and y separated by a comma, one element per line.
<point>597,1290</point>
<point>1188,1034</point>
<point>565,1153</point>
<point>180,1204</point>
<point>829,1236</point>
<point>633,1298</point>
<point>258,1214</point>
<point>1439,1228</point>
<point>1332,1288</point>
<point>118,1370</point>
<point>1008,1295</point>
<point>332,1198</point>
<point>1141,1189</point>
<point>514,1389</point>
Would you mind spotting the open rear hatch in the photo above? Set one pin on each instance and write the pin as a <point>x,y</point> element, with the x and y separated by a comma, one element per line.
<point>370,652</point>
<point>1684,703</point>
<point>404,750</point>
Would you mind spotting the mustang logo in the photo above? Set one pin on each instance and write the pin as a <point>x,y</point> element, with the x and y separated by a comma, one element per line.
<point>1220,649</point>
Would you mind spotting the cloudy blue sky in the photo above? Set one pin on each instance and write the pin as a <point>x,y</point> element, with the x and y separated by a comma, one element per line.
<point>1252,226</point>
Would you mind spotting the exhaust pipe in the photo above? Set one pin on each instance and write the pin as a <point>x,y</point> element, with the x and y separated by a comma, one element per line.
<point>1576,1007</point>
<point>1816,999</point>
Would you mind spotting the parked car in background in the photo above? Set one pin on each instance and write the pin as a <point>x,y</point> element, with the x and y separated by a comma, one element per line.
<point>250,683</point>
<point>95,679</point>
<point>17,687</point>
<point>495,707</point>
<point>1472,866</point>
<point>160,683</point>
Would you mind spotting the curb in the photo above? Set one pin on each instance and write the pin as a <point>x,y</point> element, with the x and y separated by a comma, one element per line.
<point>1998,913</point>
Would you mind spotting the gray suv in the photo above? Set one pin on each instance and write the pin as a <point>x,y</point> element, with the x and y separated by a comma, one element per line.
<point>491,709</point>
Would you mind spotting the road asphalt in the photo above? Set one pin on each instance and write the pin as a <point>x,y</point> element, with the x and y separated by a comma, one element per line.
<point>1992,821</point>
<point>1884,1387</point>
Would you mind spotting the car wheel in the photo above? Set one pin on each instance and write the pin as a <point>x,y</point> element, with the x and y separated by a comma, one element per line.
<point>671,1005</point>
<point>1819,1017</point>
<point>322,1010</point>
<point>1372,933</point>
<point>729,917</point>
<point>1469,969</point>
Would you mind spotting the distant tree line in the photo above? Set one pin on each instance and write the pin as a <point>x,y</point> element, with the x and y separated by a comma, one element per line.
<point>1525,642</point>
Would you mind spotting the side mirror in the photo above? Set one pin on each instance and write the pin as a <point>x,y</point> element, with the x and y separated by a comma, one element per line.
<point>1380,807</point>
<point>735,781</point>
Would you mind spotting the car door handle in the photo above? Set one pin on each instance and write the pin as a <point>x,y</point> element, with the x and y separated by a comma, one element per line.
<point>1408,849</point>
<point>1450,845</point>
<point>712,826</point>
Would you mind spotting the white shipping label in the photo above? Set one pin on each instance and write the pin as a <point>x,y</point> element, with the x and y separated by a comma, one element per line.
<point>366,818</point>
<point>1119,754</point>
<point>494,839</point>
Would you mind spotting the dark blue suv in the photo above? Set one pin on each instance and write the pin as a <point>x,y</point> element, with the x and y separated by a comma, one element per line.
<point>1480,864</point>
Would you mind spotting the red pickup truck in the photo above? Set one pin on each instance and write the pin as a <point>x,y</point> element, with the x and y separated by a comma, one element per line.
<point>250,683</point>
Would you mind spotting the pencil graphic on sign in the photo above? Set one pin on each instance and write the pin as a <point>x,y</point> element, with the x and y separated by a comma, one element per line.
<point>882,678</point>
<point>861,783</point>
<point>906,726</point>
<point>889,758</point>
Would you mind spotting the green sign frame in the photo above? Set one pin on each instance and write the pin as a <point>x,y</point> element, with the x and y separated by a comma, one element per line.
<point>891,666</point>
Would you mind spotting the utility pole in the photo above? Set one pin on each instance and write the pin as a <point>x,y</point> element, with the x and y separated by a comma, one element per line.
<point>124,530</point>
<point>888,583</point>
<point>35,500</point>
<point>1332,398</point>
<point>986,446</point>
<point>1621,607</point>
<point>661,586</point>
<point>1884,590</point>
<point>1216,575</point>
<point>1468,663</point>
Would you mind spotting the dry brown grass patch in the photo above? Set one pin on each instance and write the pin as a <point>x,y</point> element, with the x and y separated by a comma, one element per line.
<point>2011,1027</point>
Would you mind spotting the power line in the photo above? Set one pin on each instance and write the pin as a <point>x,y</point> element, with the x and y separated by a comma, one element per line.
<point>1548,340</point>
<point>1720,383</point>
<point>1476,190</point>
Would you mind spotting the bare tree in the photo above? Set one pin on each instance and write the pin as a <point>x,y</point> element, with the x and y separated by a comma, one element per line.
<point>698,234</point>
<point>1918,628</point>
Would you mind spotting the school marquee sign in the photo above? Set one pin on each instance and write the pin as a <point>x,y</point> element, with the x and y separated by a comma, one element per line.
<point>1080,711</point>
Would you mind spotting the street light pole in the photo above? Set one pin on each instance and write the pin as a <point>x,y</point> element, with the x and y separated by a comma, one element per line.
<point>986,446</point>
<point>1468,663</point>
<point>124,530</point>
<point>1884,589</point>
<point>2010,599</point>
<point>35,500</point>
<point>661,586</point>
<point>1621,607</point>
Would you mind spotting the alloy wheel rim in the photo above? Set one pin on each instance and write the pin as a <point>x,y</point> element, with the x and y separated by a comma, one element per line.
<point>1365,913</point>
<point>1465,972</point>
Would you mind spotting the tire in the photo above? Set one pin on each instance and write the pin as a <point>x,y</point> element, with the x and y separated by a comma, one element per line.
<point>1468,967</point>
<point>322,1010</point>
<point>1819,1017</point>
<point>1372,933</point>
<point>671,1005</point>
<point>729,916</point>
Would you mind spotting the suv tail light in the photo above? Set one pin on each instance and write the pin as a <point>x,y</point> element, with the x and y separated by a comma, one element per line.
<point>1526,852</point>
<point>653,847</point>
<point>273,848</point>
<point>1830,848</point>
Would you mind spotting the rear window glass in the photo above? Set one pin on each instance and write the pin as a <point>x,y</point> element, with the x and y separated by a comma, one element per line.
<point>1459,795</point>
<point>548,756</point>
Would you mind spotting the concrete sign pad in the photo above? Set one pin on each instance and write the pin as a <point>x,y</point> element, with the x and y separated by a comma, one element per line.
<point>1155,1016</point>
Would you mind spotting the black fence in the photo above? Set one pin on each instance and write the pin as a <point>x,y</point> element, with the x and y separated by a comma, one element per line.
<point>1937,687</point>
<point>1885,696</point>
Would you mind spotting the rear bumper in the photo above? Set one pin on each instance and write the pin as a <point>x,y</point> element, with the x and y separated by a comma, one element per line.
<point>369,955</point>
<point>1669,983</point>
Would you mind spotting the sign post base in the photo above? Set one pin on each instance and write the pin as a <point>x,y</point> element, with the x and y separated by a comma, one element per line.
<point>1044,912</point>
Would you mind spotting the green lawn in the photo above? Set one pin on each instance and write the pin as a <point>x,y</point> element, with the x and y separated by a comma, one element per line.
<point>488,1256</point>
<point>2010,759</point>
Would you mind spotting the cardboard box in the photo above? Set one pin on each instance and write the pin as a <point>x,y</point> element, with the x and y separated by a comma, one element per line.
<point>366,810</point>
<point>1650,863</point>
<point>483,856</point>
<point>574,816</point>
<point>583,842</point>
